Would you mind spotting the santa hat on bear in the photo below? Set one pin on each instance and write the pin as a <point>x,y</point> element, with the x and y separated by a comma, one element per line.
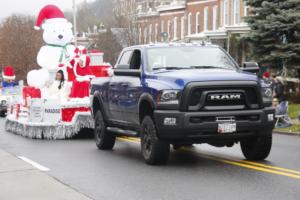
<point>9,73</point>
<point>50,14</point>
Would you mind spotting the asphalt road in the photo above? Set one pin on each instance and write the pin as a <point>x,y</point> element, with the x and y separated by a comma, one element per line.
<point>202,172</point>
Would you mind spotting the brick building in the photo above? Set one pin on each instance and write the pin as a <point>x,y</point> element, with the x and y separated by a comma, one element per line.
<point>218,21</point>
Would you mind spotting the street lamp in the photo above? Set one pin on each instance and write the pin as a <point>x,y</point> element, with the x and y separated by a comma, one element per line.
<point>74,22</point>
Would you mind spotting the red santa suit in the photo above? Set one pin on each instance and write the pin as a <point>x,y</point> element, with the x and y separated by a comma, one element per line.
<point>80,50</point>
<point>83,75</point>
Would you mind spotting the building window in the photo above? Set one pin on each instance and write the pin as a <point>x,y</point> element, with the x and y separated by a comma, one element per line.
<point>182,27</point>
<point>246,9</point>
<point>190,24</point>
<point>140,35</point>
<point>175,28</point>
<point>215,17</point>
<point>145,35</point>
<point>198,22</point>
<point>150,33</point>
<point>169,29</point>
<point>236,10</point>
<point>225,12</point>
<point>205,18</point>
<point>162,28</point>
<point>156,32</point>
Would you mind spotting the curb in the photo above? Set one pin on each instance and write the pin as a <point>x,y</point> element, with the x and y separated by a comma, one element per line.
<point>287,133</point>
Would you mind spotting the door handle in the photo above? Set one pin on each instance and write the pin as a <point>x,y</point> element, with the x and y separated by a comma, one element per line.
<point>124,85</point>
<point>112,85</point>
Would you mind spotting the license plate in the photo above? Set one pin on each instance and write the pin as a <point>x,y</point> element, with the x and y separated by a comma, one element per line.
<point>227,128</point>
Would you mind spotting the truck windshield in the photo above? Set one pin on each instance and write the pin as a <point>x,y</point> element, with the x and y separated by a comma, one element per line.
<point>177,58</point>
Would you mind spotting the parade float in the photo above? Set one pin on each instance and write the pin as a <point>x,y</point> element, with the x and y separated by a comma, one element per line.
<point>55,104</point>
<point>9,89</point>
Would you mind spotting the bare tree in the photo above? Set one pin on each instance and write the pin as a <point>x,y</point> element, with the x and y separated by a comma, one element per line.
<point>126,18</point>
<point>19,44</point>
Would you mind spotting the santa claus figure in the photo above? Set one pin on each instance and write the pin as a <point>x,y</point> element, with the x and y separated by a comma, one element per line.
<point>9,77</point>
<point>57,35</point>
<point>82,74</point>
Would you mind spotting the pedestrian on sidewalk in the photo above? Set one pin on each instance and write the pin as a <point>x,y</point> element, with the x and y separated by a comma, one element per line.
<point>278,91</point>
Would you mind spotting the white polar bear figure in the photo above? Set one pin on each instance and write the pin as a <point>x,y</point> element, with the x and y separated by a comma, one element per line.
<point>57,52</point>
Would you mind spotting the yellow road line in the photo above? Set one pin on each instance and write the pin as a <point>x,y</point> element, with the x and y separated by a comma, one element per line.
<point>270,167</point>
<point>241,163</point>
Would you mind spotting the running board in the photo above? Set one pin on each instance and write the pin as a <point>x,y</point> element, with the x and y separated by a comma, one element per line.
<point>122,132</point>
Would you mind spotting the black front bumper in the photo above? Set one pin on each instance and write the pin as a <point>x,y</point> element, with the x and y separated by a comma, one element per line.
<point>3,110</point>
<point>198,127</point>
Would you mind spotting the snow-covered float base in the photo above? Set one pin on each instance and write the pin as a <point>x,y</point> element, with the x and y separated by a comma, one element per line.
<point>49,131</point>
<point>49,119</point>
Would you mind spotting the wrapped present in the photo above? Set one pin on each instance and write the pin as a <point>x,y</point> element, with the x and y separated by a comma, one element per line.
<point>31,93</point>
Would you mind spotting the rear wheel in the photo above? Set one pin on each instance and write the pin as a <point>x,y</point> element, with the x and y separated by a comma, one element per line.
<point>154,150</point>
<point>258,148</point>
<point>104,139</point>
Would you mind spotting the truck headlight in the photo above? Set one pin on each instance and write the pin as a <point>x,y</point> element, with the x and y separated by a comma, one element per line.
<point>267,94</point>
<point>169,97</point>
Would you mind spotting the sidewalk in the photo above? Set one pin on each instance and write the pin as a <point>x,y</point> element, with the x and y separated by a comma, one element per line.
<point>21,181</point>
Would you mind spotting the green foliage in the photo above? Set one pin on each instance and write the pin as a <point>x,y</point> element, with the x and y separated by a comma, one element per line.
<point>294,111</point>
<point>275,31</point>
<point>293,129</point>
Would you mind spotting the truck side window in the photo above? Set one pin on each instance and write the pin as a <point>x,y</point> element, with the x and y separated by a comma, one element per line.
<point>135,62</point>
<point>125,59</point>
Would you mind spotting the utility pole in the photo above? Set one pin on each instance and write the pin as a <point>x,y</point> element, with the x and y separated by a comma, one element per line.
<point>74,22</point>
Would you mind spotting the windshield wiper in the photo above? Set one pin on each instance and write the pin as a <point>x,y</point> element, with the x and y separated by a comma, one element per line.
<point>169,68</point>
<point>208,67</point>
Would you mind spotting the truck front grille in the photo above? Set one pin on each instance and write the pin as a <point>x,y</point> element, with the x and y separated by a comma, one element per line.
<point>222,97</point>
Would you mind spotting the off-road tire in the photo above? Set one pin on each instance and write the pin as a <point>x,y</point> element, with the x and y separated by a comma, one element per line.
<point>154,150</point>
<point>104,139</point>
<point>257,148</point>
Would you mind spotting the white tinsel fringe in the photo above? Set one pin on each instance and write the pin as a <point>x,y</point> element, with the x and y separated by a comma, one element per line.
<point>57,132</point>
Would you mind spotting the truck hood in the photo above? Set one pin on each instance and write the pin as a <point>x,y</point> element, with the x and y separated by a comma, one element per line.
<point>179,78</point>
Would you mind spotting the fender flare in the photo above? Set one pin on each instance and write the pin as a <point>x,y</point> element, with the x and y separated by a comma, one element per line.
<point>97,97</point>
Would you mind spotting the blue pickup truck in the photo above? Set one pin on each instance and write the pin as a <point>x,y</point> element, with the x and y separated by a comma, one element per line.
<point>183,94</point>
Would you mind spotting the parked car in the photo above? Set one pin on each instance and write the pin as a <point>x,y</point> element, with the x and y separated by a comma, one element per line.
<point>7,95</point>
<point>183,94</point>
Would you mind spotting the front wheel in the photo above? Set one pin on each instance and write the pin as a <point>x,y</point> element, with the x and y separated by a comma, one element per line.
<point>258,148</point>
<point>154,150</point>
<point>104,139</point>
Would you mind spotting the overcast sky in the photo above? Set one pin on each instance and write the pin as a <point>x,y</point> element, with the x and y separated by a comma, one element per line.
<point>8,7</point>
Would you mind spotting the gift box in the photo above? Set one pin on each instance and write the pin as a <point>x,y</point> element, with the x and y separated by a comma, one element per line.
<point>31,92</point>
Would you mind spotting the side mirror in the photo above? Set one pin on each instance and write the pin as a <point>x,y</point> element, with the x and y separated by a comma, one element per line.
<point>127,72</point>
<point>251,67</point>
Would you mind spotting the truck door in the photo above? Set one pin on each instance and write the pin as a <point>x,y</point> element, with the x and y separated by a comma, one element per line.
<point>116,89</point>
<point>132,90</point>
